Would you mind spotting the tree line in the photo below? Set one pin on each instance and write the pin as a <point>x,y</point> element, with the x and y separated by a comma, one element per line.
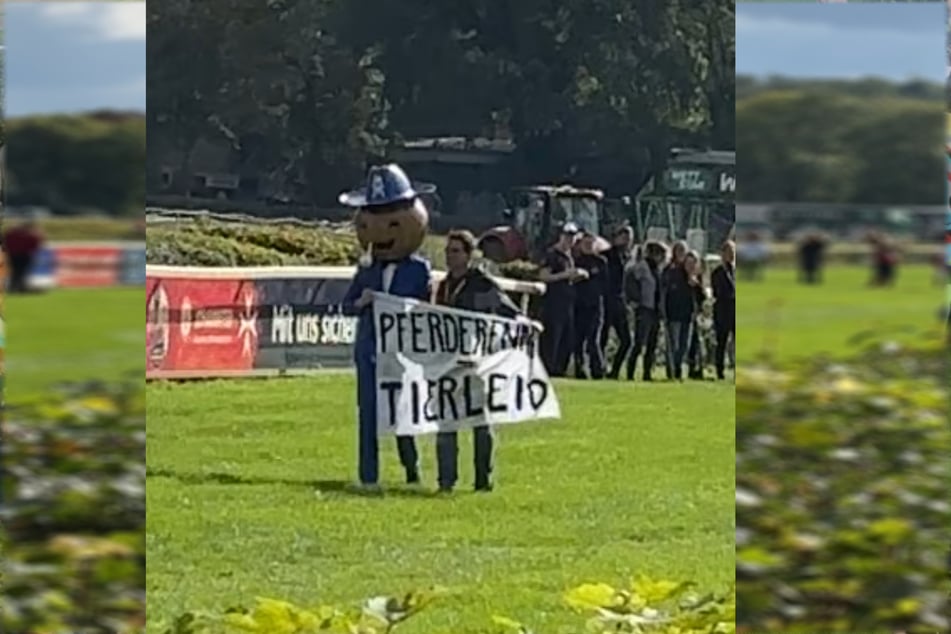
<point>595,91</point>
<point>73,164</point>
<point>863,141</point>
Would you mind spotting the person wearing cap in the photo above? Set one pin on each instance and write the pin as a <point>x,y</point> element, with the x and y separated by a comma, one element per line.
<point>589,308</point>
<point>391,224</point>
<point>559,274</point>
<point>469,288</point>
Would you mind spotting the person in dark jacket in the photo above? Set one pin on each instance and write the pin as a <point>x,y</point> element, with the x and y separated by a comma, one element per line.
<point>589,308</point>
<point>642,286</point>
<point>723,281</point>
<point>615,308</point>
<point>21,245</point>
<point>694,265</point>
<point>469,288</point>
<point>559,274</point>
<point>811,257</point>
<point>679,306</point>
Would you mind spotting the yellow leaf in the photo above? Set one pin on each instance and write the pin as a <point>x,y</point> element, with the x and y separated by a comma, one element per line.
<point>591,596</point>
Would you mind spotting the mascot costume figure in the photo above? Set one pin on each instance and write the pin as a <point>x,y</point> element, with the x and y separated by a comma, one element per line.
<point>391,224</point>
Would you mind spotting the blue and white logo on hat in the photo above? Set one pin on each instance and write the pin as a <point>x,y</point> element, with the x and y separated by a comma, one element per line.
<point>386,185</point>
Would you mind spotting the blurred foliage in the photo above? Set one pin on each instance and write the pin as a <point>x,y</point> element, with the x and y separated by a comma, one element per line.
<point>210,243</point>
<point>304,92</point>
<point>866,141</point>
<point>842,494</point>
<point>90,228</point>
<point>74,517</point>
<point>647,606</point>
<point>77,163</point>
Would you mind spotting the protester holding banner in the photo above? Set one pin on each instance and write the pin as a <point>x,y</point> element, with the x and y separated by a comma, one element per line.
<point>469,288</point>
<point>391,224</point>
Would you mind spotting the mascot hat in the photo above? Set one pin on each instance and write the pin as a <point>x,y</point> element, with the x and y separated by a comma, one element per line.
<point>386,185</point>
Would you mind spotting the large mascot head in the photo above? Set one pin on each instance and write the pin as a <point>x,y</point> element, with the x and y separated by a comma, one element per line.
<point>392,220</point>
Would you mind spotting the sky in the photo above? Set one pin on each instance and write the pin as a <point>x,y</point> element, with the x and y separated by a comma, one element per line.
<point>895,41</point>
<point>68,57</point>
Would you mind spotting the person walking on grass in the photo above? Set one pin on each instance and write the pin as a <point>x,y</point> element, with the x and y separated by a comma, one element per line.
<point>723,281</point>
<point>469,288</point>
<point>643,288</point>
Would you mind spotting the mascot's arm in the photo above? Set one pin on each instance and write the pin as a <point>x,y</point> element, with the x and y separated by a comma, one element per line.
<point>354,292</point>
<point>425,289</point>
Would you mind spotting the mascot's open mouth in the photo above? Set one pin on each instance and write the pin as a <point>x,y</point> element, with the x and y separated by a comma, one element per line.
<point>383,246</point>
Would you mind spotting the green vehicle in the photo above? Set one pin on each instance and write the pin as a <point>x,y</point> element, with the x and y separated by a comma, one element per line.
<point>694,200</point>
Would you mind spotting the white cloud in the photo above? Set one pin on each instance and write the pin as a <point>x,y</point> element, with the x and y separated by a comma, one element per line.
<point>103,20</point>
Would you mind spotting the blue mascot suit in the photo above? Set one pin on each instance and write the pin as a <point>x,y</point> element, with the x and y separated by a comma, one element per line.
<point>391,222</point>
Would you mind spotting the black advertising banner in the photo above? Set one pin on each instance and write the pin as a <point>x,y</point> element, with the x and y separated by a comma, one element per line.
<point>301,325</point>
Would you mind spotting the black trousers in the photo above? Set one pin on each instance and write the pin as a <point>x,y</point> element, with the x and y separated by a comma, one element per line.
<point>20,266</point>
<point>558,338</point>
<point>646,331</point>
<point>724,326</point>
<point>615,318</point>
<point>589,322</point>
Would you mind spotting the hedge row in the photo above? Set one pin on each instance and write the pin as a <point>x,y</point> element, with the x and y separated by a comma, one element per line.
<point>75,512</point>
<point>646,607</point>
<point>210,243</point>
<point>842,495</point>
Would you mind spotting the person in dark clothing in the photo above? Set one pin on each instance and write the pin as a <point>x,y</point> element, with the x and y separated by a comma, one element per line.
<point>723,281</point>
<point>811,252</point>
<point>884,260</point>
<point>469,288</point>
<point>679,300</point>
<point>589,309</point>
<point>558,304</point>
<point>21,245</point>
<point>615,308</point>
<point>693,263</point>
<point>642,286</point>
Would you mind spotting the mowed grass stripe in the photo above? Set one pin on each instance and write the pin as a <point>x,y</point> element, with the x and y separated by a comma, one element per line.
<point>246,498</point>
<point>792,320</point>
<point>70,335</point>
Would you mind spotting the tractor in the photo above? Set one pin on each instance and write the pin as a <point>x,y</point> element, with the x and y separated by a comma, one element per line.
<point>534,216</point>
<point>692,200</point>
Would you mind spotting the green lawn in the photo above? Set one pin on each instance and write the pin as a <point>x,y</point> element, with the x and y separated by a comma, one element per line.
<point>791,320</point>
<point>248,496</point>
<point>73,335</point>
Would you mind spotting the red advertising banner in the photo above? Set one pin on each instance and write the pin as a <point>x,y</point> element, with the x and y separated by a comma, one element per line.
<point>84,266</point>
<point>200,326</point>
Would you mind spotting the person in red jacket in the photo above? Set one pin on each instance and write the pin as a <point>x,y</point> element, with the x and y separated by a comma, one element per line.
<point>21,244</point>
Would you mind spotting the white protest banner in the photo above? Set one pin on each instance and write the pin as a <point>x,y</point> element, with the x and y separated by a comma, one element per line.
<point>442,369</point>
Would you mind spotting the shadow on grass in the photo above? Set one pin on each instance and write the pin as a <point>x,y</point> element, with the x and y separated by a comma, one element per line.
<point>336,487</point>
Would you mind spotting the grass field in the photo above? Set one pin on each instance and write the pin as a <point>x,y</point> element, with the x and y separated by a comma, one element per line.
<point>248,496</point>
<point>791,320</point>
<point>73,335</point>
